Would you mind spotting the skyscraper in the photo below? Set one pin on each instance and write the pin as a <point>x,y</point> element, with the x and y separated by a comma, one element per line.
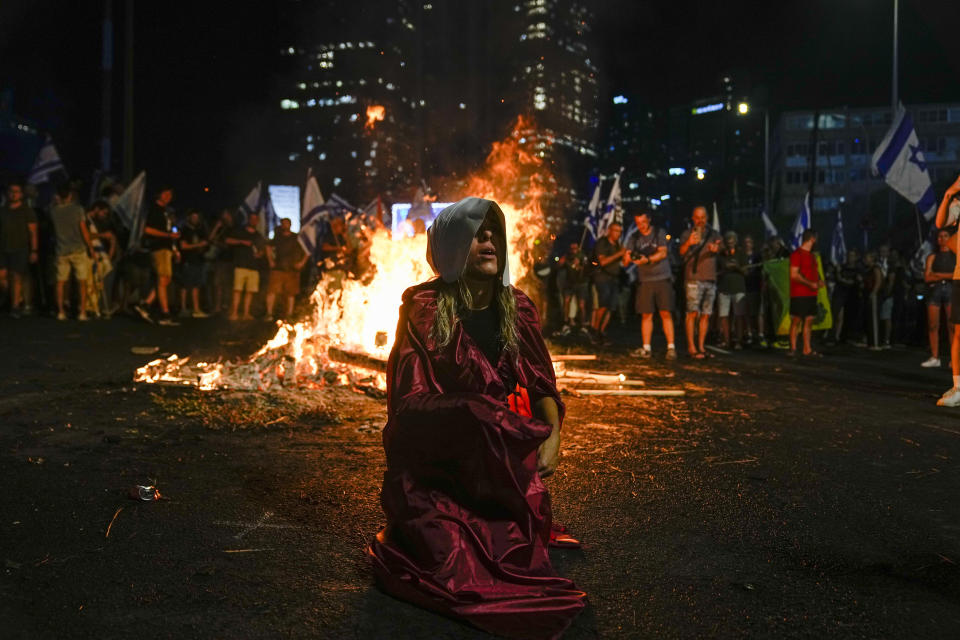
<point>346,96</point>
<point>555,79</point>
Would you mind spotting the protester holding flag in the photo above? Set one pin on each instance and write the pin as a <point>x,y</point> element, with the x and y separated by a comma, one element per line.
<point>804,282</point>
<point>699,246</point>
<point>160,236</point>
<point>19,246</point>
<point>938,275</point>
<point>609,256</point>
<point>947,215</point>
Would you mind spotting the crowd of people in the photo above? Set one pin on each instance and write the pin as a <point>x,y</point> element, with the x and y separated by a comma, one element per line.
<point>720,291</point>
<point>75,261</point>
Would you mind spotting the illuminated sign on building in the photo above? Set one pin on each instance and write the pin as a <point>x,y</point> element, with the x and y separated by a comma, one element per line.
<point>286,202</point>
<point>619,100</point>
<point>707,108</point>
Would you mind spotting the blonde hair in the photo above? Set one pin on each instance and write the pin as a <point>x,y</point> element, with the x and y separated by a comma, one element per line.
<point>454,299</point>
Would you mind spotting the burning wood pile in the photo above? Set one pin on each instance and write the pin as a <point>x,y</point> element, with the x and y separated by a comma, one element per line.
<point>347,337</point>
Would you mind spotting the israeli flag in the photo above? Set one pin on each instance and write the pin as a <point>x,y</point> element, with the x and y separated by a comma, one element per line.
<point>838,245</point>
<point>715,224</point>
<point>901,163</point>
<point>130,209</point>
<point>768,225</point>
<point>801,224</point>
<point>313,212</point>
<point>258,201</point>
<point>593,212</point>
<point>48,162</point>
<point>613,211</point>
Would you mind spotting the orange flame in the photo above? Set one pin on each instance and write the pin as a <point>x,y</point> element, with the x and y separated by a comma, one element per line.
<point>360,315</point>
<point>375,113</point>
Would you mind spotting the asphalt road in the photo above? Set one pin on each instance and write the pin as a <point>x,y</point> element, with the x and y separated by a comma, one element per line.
<point>778,498</point>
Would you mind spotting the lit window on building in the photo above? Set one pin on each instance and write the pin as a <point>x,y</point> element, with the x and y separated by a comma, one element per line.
<point>322,155</point>
<point>336,182</point>
<point>289,104</point>
<point>353,154</point>
<point>310,147</point>
<point>353,117</point>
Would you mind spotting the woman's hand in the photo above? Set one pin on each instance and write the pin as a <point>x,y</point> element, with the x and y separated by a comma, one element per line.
<point>548,455</point>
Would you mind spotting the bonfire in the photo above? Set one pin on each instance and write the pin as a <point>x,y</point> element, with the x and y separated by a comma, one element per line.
<point>349,331</point>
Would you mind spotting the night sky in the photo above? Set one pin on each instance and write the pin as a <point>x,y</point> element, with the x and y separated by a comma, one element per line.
<point>206,77</point>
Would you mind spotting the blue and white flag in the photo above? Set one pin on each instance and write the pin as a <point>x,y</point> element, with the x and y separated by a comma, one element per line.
<point>838,245</point>
<point>901,163</point>
<point>715,224</point>
<point>613,212</point>
<point>129,208</point>
<point>314,210</point>
<point>48,162</point>
<point>768,225</point>
<point>801,224</point>
<point>593,212</point>
<point>258,201</point>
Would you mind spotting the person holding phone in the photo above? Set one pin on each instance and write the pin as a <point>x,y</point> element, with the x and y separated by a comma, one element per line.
<point>699,246</point>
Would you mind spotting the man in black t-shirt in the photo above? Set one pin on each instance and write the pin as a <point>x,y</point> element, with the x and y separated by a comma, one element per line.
<point>159,237</point>
<point>248,246</point>
<point>193,273</point>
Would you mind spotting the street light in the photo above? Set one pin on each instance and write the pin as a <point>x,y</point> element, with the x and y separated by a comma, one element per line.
<point>743,109</point>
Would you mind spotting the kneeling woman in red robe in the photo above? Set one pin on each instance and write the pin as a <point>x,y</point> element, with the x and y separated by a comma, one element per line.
<point>468,516</point>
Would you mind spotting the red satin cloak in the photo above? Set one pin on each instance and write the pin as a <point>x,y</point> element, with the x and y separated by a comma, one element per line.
<point>468,518</point>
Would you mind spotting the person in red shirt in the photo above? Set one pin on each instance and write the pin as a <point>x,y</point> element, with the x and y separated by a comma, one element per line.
<point>804,282</point>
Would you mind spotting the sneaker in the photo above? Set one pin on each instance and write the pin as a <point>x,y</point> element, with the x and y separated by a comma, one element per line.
<point>28,311</point>
<point>640,352</point>
<point>763,343</point>
<point>885,346</point>
<point>83,317</point>
<point>15,314</point>
<point>143,313</point>
<point>184,313</point>
<point>268,318</point>
<point>61,316</point>
<point>950,399</point>
<point>200,314</point>
<point>167,321</point>
<point>671,353</point>
<point>930,363</point>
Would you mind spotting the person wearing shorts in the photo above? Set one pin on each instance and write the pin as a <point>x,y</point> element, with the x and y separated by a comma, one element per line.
<point>732,290</point>
<point>159,237</point>
<point>608,257</point>
<point>699,246</point>
<point>286,258</point>
<point>648,251</point>
<point>938,275</point>
<point>947,215</point>
<point>74,248</point>
<point>193,268</point>
<point>248,246</point>
<point>805,281</point>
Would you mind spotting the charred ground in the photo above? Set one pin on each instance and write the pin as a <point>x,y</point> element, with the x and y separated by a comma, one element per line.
<point>778,498</point>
